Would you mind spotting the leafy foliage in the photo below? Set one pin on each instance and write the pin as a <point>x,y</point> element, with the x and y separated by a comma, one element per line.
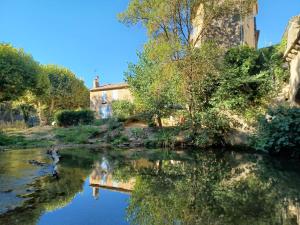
<point>171,19</point>
<point>154,91</point>
<point>214,128</point>
<point>281,133</point>
<point>122,109</point>
<point>171,70</point>
<point>200,71</point>
<point>249,78</point>
<point>73,118</point>
<point>204,80</point>
<point>18,72</point>
<point>113,124</point>
<point>66,91</point>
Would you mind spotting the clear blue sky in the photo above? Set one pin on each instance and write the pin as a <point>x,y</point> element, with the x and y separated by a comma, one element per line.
<point>85,35</point>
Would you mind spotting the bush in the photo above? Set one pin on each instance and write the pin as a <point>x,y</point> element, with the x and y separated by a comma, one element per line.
<point>73,118</point>
<point>213,128</point>
<point>250,78</point>
<point>100,122</point>
<point>122,109</point>
<point>138,133</point>
<point>280,133</point>
<point>165,137</point>
<point>113,124</point>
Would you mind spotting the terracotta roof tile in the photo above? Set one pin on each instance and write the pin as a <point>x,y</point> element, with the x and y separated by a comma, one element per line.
<point>111,87</point>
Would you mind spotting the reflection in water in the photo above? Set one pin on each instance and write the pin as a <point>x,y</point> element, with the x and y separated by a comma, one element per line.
<point>102,177</point>
<point>212,189</point>
<point>203,188</point>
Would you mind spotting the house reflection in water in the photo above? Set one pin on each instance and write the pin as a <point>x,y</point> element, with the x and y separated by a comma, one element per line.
<point>102,177</point>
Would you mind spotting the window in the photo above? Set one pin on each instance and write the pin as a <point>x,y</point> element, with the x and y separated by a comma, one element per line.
<point>105,111</point>
<point>115,95</point>
<point>104,97</point>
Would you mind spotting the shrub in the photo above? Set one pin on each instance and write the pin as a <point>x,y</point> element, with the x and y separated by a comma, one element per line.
<point>73,118</point>
<point>122,109</point>
<point>100,122</point>
<point>165,137</point>
<point>280,134</point>
<point>138,133</point>
<point>120,139</point>
<point>213,128</point>
<point>113,124</point>
<point>250,78</point>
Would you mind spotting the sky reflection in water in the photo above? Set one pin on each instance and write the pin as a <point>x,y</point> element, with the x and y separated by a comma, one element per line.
<point>201,188</point>
<point>109,208</point>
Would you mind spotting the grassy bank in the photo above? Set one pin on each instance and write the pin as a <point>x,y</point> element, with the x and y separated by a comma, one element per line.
<point>107,133</point>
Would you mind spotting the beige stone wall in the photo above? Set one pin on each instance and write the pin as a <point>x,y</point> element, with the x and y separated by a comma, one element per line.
<point>227,32</point>
<point>294,92</point>
<point>292,55</point>
<point>97,100</point>
<point>250,33</point>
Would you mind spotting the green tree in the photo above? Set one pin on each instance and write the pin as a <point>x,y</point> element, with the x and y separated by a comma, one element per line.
<point>173,41</point>
<point>172,19</point>
<point>250,79</point>
<point>66,90</point>
<point>280,133</point>
<point>122,109</point>
<point>18,73</point>
<point>154,92</point>
<point>200,71</point>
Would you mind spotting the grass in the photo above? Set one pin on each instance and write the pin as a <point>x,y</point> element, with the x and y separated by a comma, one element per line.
<point>17,125</point>
<point>76,135</point>
<point>20,141</point>
<point>113,133</point>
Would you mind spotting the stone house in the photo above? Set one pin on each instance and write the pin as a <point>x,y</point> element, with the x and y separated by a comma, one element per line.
<point>101,97</point>
<point>231,30</point>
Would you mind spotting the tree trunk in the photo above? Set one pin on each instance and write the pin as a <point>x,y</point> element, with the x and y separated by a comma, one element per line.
<point>52,107</point>
<point>159,122</point>
<point>42,120</point>
<point>10,113</point>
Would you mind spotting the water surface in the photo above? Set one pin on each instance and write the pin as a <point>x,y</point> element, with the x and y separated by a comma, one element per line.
<point>162,187</point>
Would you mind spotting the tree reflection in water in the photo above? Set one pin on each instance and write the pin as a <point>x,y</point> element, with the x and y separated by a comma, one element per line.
<point>215,189</point>
<point>202,188</point>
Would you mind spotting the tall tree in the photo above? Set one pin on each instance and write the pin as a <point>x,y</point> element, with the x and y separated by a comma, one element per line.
<point>66,90</point>
<point>18,73</point>
<point>154,92</point>
<point>173,19</point>
<point>170,26</point>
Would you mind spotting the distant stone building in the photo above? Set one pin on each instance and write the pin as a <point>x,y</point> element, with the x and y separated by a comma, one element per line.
<point>232,30</point>
<point>101,97</point>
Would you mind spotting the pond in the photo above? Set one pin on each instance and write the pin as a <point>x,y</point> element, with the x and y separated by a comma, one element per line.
<point>147,187</point>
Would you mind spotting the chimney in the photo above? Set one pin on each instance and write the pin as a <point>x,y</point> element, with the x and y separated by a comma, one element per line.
<point>96,82</point>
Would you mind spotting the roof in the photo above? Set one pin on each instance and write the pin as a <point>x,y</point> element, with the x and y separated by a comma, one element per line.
<point>107,87</point>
